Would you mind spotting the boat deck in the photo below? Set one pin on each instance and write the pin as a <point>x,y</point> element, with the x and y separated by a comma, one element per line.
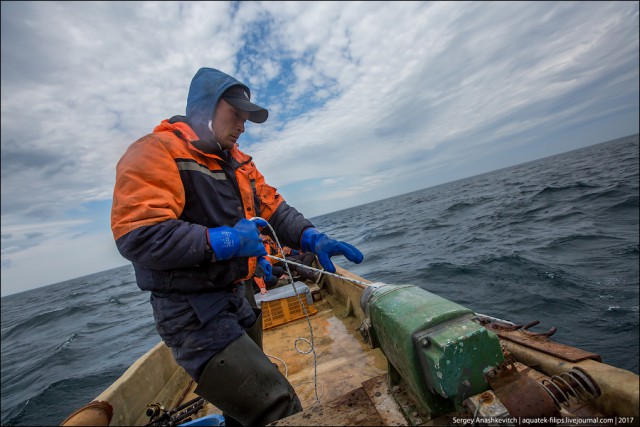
<point>343,360</point>
<point>350,378</point>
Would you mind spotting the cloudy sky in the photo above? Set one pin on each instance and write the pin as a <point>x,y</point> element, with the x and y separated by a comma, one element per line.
<point>367,100</point>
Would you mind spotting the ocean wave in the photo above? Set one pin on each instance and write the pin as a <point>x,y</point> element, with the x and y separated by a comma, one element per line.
<point>631,202</point>
<point>602,197</point>
<point>134,295</point>
<point>68,341</point>
<point>571,213</point>
<point>627,309</point>
<point>13,415</point>
<point>79,294</point>
<point>94,327</point>
<point>382,236</point>
<point>573,239</point>
<point>58,397</point>
<point>551,189</point>
<point>46,318</point>
<point>434,224</point>
<point>459,207</point>
<point>627,250</point>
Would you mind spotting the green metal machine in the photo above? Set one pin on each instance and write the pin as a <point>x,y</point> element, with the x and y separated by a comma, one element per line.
<point>434,348</point>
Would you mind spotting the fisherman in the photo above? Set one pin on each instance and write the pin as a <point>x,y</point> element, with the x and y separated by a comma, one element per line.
<point>188,207</point>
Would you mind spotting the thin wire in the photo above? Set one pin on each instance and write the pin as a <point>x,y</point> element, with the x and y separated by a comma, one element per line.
<point>495,319</point>
<point>363,283</point>
<point>306,315</point>
<point>318,270</point>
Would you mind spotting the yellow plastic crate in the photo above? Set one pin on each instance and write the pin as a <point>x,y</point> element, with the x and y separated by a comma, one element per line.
<point>284,310</point>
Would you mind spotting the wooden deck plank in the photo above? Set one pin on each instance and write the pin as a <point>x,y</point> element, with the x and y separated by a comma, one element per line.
<point>351,409</point>
<point>343,361</point>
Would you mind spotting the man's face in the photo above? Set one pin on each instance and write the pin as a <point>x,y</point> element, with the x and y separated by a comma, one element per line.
<point>228,124</point>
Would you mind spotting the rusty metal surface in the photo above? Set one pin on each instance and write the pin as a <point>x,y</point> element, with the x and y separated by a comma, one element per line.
<point>519,393</point>
<point>574,385</point>
<point>485,405</point>
<point>352,409</point>
<point>541,343</point>
<point>619,387</point>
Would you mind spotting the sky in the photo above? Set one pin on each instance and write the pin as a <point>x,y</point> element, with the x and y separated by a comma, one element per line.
<point>366,100</point>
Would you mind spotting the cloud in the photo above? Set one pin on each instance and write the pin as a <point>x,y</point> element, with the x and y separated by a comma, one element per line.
<point>366,99</point>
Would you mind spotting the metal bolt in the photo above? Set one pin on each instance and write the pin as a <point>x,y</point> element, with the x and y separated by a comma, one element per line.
<point>486,397</point>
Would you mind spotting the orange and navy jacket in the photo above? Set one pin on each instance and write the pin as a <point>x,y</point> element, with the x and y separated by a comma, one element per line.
<point>170,187</point>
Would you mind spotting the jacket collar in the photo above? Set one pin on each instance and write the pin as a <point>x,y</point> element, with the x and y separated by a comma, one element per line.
<point>176,124</point>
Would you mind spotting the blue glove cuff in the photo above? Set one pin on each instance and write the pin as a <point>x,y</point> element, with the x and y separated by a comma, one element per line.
<point>224,241</point>
<point>309,238</point>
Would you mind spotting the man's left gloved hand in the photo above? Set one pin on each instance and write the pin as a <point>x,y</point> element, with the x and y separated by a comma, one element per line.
<point>266,267</point>
<point>325,247</point>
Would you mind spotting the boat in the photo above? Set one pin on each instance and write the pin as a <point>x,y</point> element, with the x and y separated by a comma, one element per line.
<point>367,353</point>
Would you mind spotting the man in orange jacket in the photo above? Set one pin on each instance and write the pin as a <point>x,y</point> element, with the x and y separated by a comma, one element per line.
<point>182,207</point>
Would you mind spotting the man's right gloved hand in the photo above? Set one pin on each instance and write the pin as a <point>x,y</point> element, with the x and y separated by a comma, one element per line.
<point>243,240</point>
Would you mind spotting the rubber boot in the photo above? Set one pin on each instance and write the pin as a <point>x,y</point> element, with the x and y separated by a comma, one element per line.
<point>242,382</point>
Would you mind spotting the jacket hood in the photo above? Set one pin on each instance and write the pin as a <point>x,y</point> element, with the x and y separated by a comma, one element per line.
<point>207,86</point>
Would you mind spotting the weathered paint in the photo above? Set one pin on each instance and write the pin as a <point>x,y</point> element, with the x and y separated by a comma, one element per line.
<point>423,336</point>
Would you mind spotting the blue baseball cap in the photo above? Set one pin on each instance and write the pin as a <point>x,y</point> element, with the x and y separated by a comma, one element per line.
<point>239,97</point>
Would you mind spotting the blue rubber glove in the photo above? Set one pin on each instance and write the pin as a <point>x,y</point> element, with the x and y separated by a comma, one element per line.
<point>266,267</point>
<point>323,246</point>
<point>243,240</point>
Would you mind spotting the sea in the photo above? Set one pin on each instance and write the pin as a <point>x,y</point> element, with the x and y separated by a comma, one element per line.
<point>554,240</point>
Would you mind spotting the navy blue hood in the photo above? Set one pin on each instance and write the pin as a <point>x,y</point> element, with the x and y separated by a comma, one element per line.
<point>207,86</point>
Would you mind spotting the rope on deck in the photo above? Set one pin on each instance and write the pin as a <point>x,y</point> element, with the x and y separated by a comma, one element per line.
<point>306,315</point>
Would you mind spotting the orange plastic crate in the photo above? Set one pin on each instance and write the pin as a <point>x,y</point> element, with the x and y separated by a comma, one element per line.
<point>280,311</point>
